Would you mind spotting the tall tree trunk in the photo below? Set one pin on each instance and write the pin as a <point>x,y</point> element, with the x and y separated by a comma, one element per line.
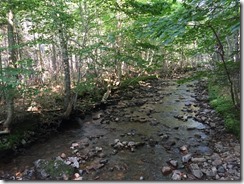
<point>68,102</point>
<point>237,47</point>
<point>9,91</point>
<point>54,62</point>
<point>1,76</point>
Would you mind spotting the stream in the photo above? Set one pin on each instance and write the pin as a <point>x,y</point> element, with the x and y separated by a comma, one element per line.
<point>132,139</point>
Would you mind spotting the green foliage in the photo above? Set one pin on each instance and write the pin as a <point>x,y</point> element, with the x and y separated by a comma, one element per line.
<point>56,168</point>
<point>89,89</point>
<point>85,87</point>
<point>135,81</point>
<point>153,7</point>
<point>10,141</point>
<point>195,76</point>
<point>223,104</point>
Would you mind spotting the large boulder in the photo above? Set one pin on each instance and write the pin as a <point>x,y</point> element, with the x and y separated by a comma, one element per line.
<point>52,170</point>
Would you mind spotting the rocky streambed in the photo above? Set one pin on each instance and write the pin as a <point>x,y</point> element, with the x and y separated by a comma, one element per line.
<point>157,131</point>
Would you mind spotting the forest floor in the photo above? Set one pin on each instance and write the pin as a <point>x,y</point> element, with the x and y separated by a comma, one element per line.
<point>158,130</point>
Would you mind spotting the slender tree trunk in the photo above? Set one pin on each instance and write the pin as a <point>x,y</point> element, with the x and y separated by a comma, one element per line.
<point>237,47</point>
<point>54,62</point>
<point>221,53</point>
<point>67,81</point>
<point>1,76</point>
<point>9,91</point>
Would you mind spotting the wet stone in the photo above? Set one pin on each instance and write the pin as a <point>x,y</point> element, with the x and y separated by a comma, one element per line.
<point>221,169</point>
<point>208,173</point>
<point>176,175</point>
<point>74,145</point>
<point>188,104</point>
<point>184,149</point>
<point>131,143</point>
<point>196,170</point>
<point>217,162</point>
<point>186,158</point>
<point>212,125</point>
<point>116,141</point>
<point>166,170</point>
<point>203,118</point>
<point>173,163</point>
<point>201,159</point>
<point>164,137</point>
<point>101,155</point>
<point>98,149</point>
<point>23,142</point>
<point>103,161</point>
<point>75,151</point>
<point>63,155</point>
<point>215,156</point>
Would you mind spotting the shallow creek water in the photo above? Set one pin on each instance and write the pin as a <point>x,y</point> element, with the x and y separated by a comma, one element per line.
<point>143,123</point>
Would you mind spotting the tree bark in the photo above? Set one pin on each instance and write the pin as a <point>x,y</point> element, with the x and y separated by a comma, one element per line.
<point>54,61</point>
<point>67,81</point>
<point>9,91</point>
<point>220,51</point>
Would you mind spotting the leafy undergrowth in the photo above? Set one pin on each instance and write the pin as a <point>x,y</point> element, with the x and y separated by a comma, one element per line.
<point>194,76</point>
<point>21,130</point>
<point>135,81</point>
<point>221,101</point>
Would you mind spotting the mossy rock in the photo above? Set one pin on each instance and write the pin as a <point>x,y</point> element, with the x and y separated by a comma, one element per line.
<point>52,170</point>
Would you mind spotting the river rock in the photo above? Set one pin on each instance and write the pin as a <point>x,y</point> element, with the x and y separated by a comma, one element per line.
<point>74,161</point>
<point>187,104</point>
<point>23,142</point>
<point>103,161</point>
<point>196,170</point>
<point>77,177</point>
<point>186,158</point>
<point>98,149</point>
<point>63,155</point>
<point>184,149</point>
<point>203,118</point>
<point>118,145</point>
<point>200,159</point>
<point>116,141</point>
<point>166,170</point>
<point>217,162</point>
<point>176,175</point>
<point>131,143</point>
<point>28,174</point>
<point>173,163</point>
<point>97,116</point>
<point>219,147</point>
<point>212,125</point>
<point>74,145</point>
<point>221,169</point>
<point>164,137</point>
